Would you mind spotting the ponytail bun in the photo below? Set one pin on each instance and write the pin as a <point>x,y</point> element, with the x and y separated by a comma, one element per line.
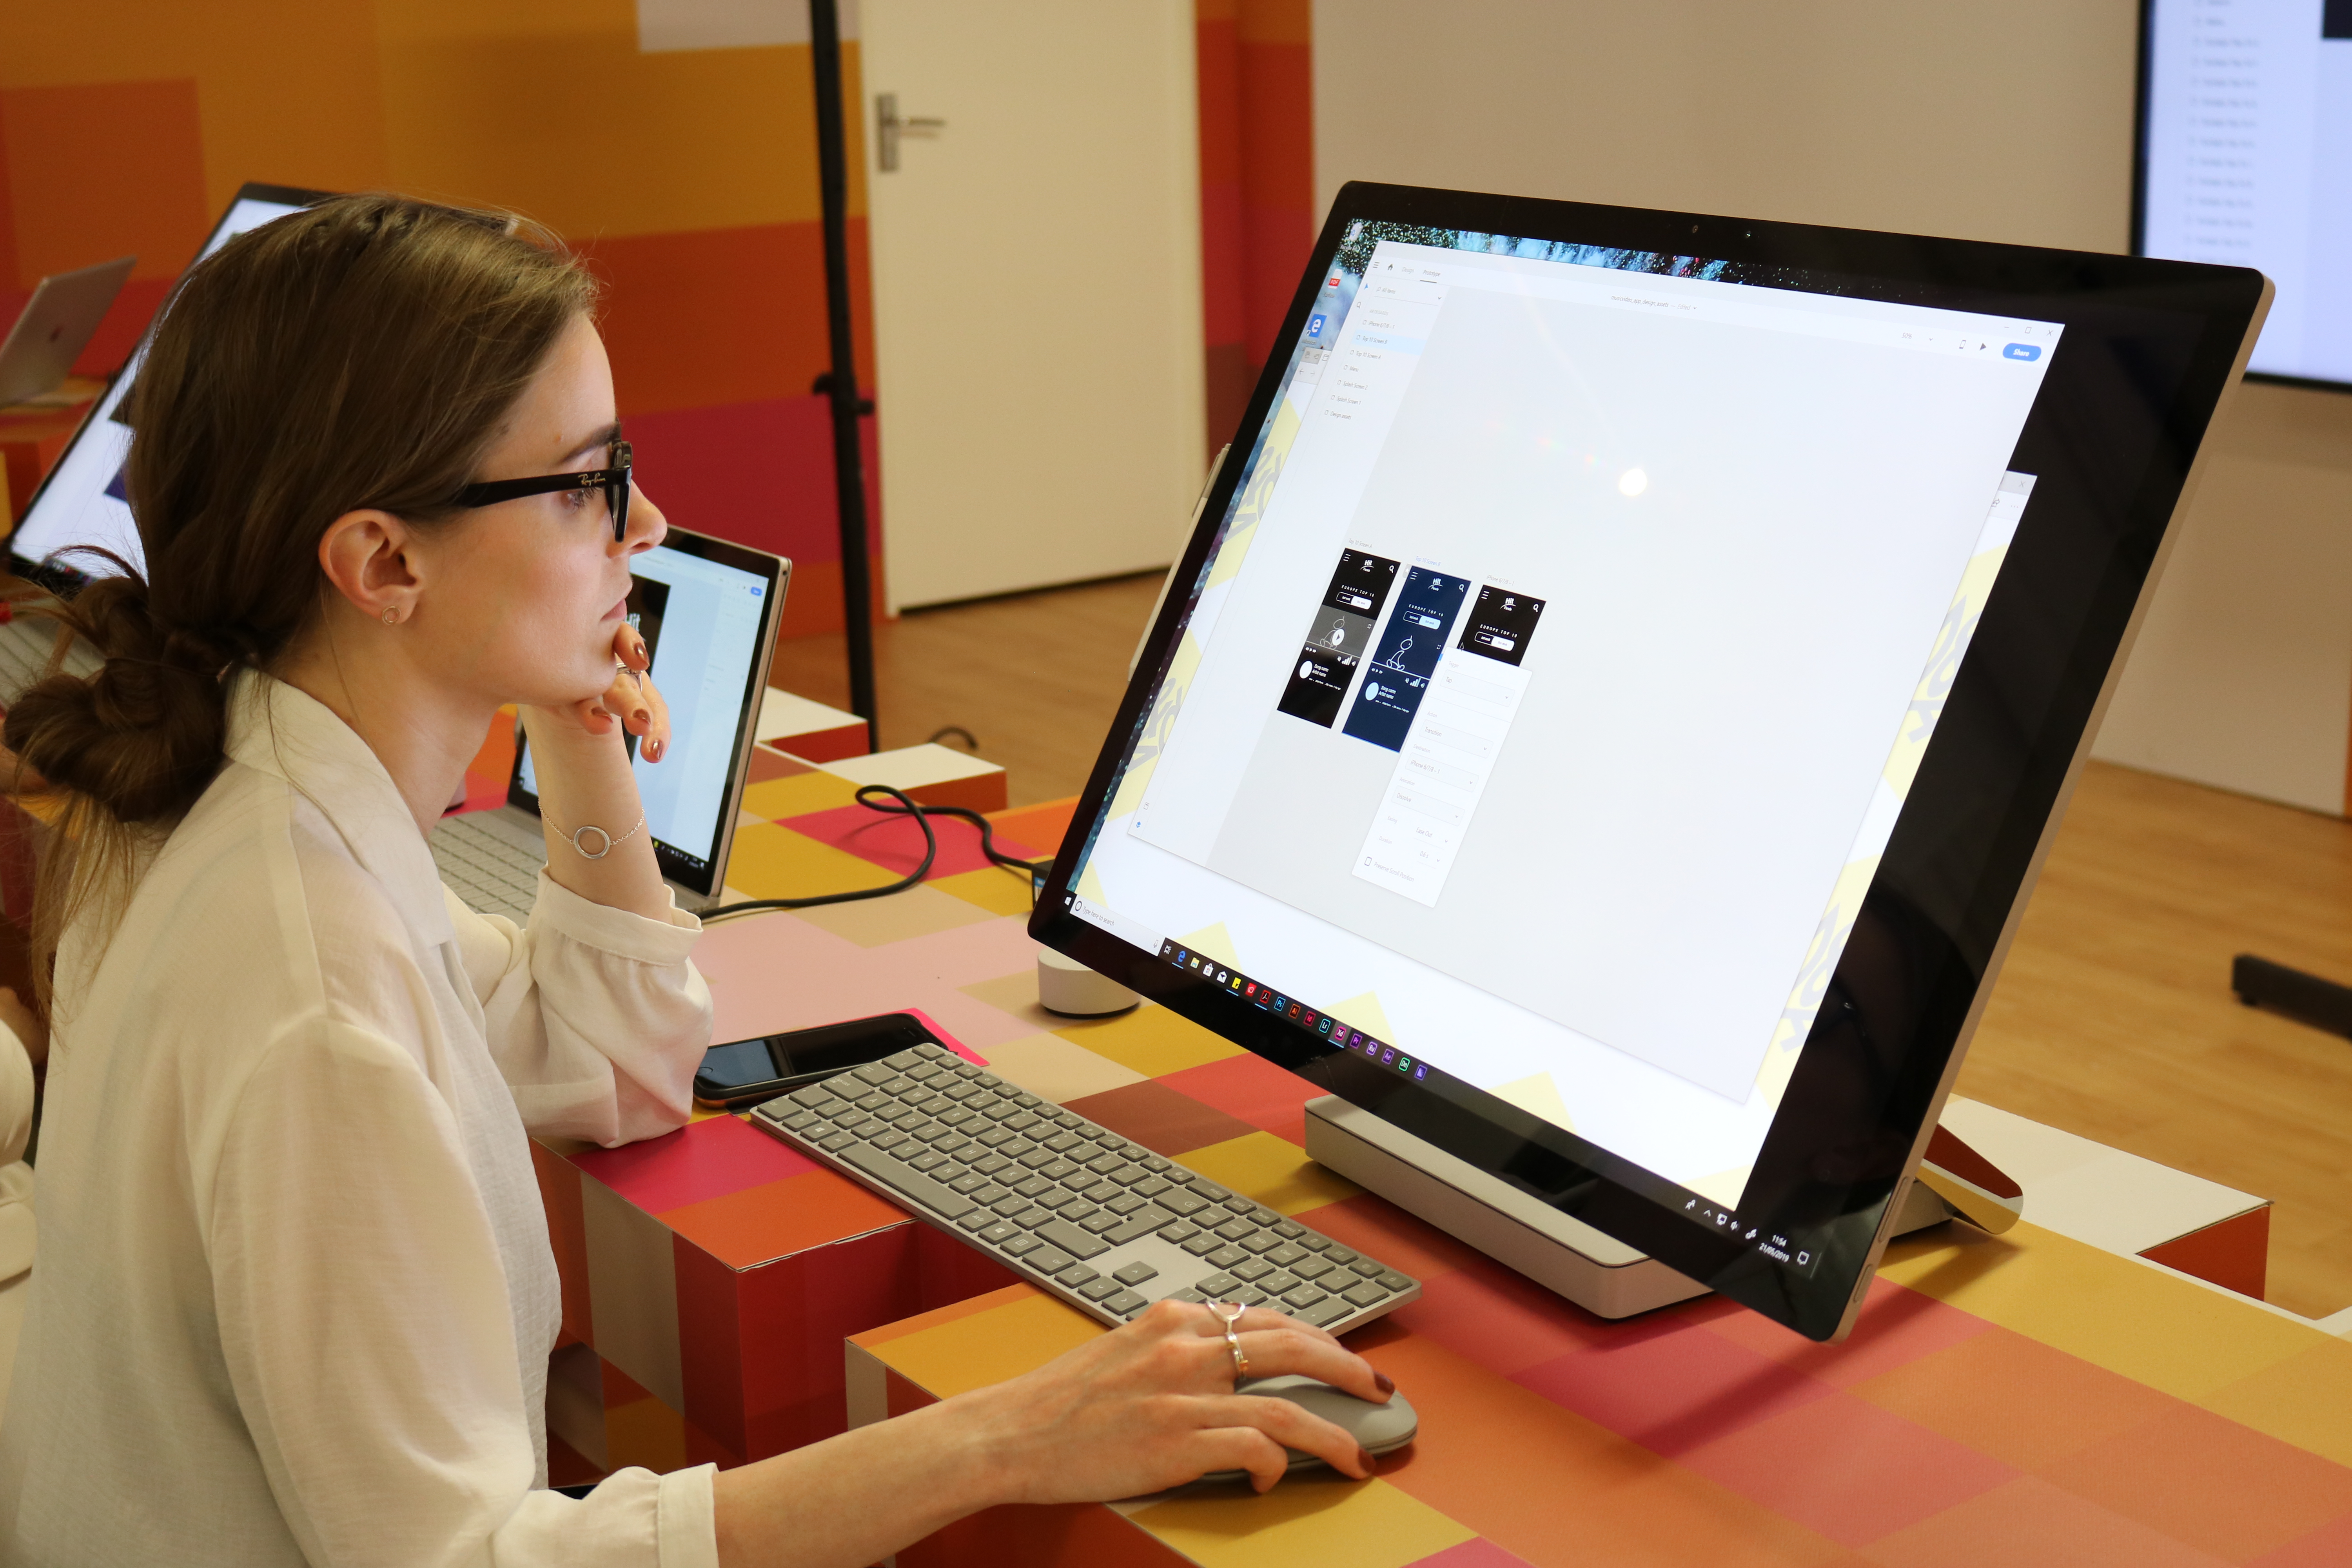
<point>142,736</point>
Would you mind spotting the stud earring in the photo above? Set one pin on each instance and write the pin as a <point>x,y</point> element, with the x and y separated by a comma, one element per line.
<point>391,617</point>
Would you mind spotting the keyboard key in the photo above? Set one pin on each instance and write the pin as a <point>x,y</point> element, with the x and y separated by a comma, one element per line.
<point>1209,1189</point>
<point>1251,1270</point>
<point>1019,1246</point>
<point>1395,1281</point>
<point>1055,1169</point>
<point>1311,1267</point>
<point>1037,1159</point>
<point>1339,1255</point>
<point>875,1072</point>
<point>1279,1283</point>
<point>998,1232</point>
<point>1224,1256</point>
<point>1183,1203</point>
<point>1067,1141</point>
<point>1136,1273</point>
<point>1047,1261</point>
<point>1289,1229</point>
<point>1104,1165</point>
<point>987,1192</point>
<point>1325,1313</point>
<point>1201,1244</point>
<point>1100,1221</point>
<point>1127,1303</point>
<point>1156,1165</point>
<point>837,1141</point>
<point>1262,1241</point>
<point>1179,1233</point>
<point>1142,1224</point>
<point>1102,1191</point>
<point>1096,1289</point>
<point>1303,1297</point>
<point>1241,1205</point>
<point>1285,1256</point>
<point>1033,1217</point>
<point>1010,1204</point>
<point>1076,1275</point>
<point>1247,1295</point>
<point>1236,1230</point>
<point>1217,1285</point>
<point>905,1178</point>
<point>1193,1295</point>
<point>1150,1187</point>
<point>1366,1295</point>
<point>889,1140</point>
<point>1033,1187</point>
<point>989,1165</point>
<point>1062,1233</point>
<point>1365,1266</point>
<point>1124,1204</point>
<point>978,1219</point>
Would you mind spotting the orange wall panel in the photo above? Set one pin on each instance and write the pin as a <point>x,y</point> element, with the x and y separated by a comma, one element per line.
<point>99,169</point>
<point>723,316</point>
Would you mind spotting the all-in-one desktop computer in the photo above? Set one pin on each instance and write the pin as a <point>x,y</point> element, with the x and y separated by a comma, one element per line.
<point>1611,709</point>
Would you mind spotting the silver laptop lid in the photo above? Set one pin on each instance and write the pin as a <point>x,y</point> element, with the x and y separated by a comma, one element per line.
<point>57,322</point>
<point>708,611</point>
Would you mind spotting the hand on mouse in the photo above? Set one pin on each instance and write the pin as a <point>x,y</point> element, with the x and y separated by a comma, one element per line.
<point>1151,1405</point>
<point>632,699</point>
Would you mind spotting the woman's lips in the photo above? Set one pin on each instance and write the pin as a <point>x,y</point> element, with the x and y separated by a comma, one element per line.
<point>620,608</point>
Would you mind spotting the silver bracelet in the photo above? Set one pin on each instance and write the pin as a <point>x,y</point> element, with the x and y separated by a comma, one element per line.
<point>577,833</point>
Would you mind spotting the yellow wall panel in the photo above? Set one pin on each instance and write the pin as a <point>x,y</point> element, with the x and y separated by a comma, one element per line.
<point>287,89</point>
<point>549,108</point>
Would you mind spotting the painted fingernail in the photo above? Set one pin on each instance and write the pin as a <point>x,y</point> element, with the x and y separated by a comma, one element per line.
<point>1364,1459</point>
<point>1384,1382</point>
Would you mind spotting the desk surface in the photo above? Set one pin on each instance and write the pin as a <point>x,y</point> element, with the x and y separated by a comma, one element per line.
<point>2023,1399</point>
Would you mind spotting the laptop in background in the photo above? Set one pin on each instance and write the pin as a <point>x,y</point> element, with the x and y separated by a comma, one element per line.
<point>707,609</point>
<point>80,501</point>
<point>54,327</point>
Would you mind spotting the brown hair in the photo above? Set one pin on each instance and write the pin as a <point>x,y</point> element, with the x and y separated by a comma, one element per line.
<point>359,353</point>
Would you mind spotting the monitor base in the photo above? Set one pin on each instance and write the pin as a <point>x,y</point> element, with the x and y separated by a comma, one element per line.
<point>1564,1254</point>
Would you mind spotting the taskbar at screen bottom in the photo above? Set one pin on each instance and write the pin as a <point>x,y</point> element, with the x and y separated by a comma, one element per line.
<point>1794,1252</point>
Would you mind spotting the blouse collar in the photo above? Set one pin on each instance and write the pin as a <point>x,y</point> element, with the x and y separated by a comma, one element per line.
<point>284,732</point>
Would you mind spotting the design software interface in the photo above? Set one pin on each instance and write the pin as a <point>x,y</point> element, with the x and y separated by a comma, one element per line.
<point>1559,670</point>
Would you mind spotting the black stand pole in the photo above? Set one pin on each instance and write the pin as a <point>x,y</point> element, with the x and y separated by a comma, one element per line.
<point>848,460</point>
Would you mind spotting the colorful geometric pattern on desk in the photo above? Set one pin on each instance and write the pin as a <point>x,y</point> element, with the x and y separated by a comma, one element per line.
<point>714,1272</point>
<point>2057,1405</point>
<point>2026,1399</point>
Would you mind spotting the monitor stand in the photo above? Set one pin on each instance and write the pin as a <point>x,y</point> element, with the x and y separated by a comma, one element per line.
<point>1597,1272</point>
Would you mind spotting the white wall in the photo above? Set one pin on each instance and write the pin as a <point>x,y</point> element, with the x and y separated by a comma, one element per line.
<point>2007,120</point>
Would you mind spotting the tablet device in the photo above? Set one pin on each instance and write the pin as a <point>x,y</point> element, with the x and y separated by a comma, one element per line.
<point>1610,712</point>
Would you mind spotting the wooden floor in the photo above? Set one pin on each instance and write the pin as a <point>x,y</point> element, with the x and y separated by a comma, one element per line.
<point>2114,1018</point>
<point>1036,678</point>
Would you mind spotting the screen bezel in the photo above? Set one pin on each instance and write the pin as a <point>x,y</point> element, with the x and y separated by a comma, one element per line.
<point>1535,1156</point>
<point>676,866</point>
<point>52,574</point>
<point>2143,86</point>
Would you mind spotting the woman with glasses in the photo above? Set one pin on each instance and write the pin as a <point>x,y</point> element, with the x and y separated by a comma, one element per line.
<point>294,1298</point>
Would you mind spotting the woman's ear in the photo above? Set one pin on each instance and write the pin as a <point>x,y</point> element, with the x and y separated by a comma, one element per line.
<point>368,556</point>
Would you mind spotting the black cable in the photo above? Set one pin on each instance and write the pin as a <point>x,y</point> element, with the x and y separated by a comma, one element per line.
<point>871,796</point>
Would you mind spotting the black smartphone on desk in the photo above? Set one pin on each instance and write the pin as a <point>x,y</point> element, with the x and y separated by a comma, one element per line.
<point>745,1072</point>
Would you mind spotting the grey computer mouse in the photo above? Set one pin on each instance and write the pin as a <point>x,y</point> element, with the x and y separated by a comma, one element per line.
<point>1380,1428</point>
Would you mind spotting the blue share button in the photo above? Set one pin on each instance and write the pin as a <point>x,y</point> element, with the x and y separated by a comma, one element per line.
<point>2027,351</point>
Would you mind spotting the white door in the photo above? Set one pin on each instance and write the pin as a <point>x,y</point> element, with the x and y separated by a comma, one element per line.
<point>1036,264</point>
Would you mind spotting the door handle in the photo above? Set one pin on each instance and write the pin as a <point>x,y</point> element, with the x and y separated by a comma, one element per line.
<point>889,126</point>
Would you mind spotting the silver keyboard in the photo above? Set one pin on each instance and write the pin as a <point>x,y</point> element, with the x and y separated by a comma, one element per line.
<point>492,875</point>
<point>1093,1217</point>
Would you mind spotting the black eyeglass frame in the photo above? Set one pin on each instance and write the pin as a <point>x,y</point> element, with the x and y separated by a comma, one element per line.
<point>613,479</point>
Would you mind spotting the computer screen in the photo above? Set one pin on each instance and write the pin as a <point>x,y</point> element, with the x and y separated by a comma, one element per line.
<point>707,610</point>
<point>81,501</point>
<point>2245,159</point>
<point>1548,681</point>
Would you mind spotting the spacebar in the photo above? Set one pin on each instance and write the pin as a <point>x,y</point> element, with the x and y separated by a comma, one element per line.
<point>940,1200</point>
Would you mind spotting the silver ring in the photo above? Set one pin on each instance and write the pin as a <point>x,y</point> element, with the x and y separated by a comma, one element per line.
<point>1219,1311</point>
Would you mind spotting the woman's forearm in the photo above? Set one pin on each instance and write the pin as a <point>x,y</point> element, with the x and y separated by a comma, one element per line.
<point>585,782</point>
<point>855,1499</point>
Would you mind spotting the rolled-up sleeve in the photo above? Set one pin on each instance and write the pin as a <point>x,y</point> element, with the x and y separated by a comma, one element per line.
<point>595,1016</point>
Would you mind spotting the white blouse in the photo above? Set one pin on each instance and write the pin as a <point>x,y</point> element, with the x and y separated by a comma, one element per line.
<point>295,1296</point>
